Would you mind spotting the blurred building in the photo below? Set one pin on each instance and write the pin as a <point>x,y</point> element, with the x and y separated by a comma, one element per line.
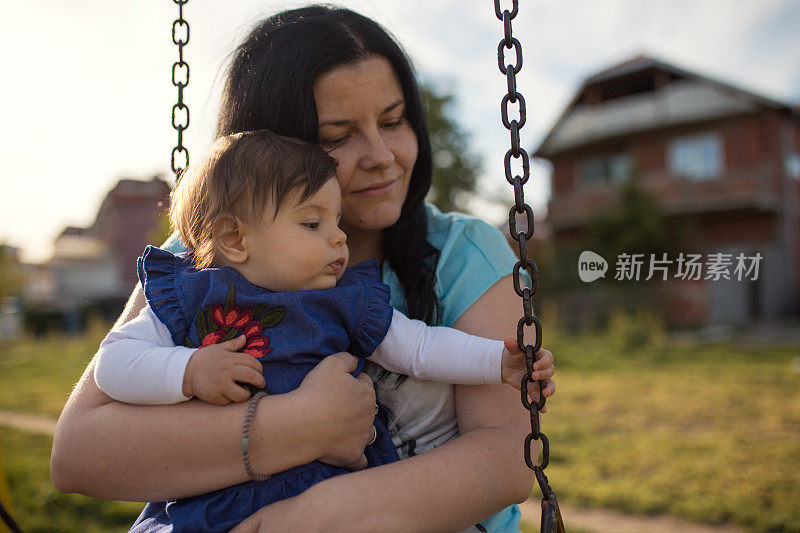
<point>719,158</point>
<point>11,282</point>
<point>95,267</point>
<point>10,318</point>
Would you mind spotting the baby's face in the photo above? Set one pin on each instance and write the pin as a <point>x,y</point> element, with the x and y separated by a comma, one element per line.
<point>303,248</point>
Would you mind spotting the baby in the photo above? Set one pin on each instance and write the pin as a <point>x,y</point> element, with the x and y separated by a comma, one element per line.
<point>264,296</point>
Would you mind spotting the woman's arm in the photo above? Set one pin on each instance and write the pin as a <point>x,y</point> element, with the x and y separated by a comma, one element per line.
<point>450,487</point>
<point>107,449</point>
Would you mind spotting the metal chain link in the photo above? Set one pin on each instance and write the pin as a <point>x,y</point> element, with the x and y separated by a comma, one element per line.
<point>551,515</point>
<point>179,159</point>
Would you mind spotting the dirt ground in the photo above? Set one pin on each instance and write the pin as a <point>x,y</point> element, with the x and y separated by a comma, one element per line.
<point>607,521</point>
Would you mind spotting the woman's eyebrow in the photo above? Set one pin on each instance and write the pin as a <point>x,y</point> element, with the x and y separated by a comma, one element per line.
<point>342,122</point>
<point>399,102</point>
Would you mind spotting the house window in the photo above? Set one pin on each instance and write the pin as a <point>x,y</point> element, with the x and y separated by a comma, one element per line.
<point>697,157</point>
<point>605,169</point>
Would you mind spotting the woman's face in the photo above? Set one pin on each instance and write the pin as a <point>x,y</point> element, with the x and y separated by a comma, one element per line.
<point>362,124</point>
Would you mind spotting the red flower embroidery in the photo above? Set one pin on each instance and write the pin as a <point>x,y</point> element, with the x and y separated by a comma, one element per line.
<point>253,329</point>
<point>234,317</point>
<point>215,337</point>
<point>229,321</point>
<point>257,346</point>
<point>243,318</point>
<point>217,314</point>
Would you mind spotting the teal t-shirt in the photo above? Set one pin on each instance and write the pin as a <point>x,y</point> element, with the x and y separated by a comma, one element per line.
<point>474,256</point>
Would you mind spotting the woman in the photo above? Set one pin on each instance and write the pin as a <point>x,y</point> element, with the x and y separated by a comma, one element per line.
<point>330,76</point>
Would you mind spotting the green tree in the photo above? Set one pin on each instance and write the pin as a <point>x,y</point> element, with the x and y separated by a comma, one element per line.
<point>635,224</point>
<point>11,277</point>
<point>455,166</point>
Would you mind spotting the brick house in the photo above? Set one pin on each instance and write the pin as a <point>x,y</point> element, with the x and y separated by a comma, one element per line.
<point>719,158</point>
<point>125,219</point>
<point>96,266</point>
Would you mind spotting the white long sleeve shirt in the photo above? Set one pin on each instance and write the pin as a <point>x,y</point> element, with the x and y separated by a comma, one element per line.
<point>139,363</point>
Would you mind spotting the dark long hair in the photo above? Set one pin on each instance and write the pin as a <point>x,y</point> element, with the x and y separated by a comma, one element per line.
<point>270,84</point>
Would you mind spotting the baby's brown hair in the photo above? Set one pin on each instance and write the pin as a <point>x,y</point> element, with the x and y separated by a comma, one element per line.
<point>243,174</point>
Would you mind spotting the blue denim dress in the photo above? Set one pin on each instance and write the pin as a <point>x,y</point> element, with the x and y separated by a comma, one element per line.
<point>289,332</point>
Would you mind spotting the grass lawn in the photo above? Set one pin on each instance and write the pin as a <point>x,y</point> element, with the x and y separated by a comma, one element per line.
<point>39,507</point>
<point>708,434</point>
<point>37,375</point>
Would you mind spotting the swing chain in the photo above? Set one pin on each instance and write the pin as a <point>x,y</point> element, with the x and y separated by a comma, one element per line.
<point>551,515</point>
<point>179,159</point>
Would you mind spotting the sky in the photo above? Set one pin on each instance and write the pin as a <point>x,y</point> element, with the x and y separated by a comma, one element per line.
<point>86,95</point>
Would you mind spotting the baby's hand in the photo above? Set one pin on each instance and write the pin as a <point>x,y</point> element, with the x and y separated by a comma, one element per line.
<point>513,366</point>
<point>213,371</point>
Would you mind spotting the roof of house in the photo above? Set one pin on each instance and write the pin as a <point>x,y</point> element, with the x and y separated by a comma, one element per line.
<point>695,97</point>
<point>143,194</point>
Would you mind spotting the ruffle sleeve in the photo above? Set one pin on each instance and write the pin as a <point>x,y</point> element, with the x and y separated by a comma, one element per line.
<point>157,272</point>
<point>376,312</point>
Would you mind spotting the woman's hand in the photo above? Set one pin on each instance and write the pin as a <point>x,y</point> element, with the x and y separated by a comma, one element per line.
<point>345,407</point>
<point>514,367</point>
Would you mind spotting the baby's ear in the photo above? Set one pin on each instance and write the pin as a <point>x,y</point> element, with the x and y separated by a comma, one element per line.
<point>229,239</point>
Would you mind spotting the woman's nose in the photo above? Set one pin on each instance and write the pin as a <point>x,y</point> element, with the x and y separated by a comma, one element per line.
<point>377,152</point>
